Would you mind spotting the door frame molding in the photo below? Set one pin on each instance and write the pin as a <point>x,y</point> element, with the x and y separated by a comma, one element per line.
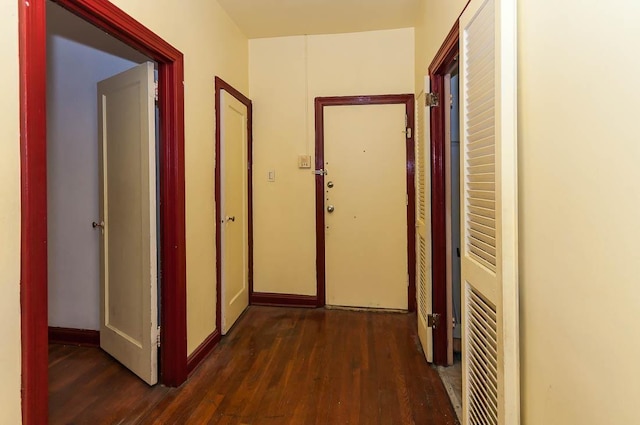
<point>440,66</point>
<point>33,263</point>
<point>320,104</point>
<point>220,85</point>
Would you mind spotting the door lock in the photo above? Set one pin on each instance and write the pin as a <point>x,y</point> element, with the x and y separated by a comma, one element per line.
<point>330,185</point>
<point>330,209</point>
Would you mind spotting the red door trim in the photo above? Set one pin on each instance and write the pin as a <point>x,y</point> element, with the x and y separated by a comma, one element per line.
<point>33,264</point>
<point>320,103</point>
<point>220,84</point>
<point>441,64</point>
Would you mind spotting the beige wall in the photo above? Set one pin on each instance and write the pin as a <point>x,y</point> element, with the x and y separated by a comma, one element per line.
<point>286,74</point>
<point>212,45</point>
<point>579,207</point>
<point>579,203</point>
<point>9,216</point>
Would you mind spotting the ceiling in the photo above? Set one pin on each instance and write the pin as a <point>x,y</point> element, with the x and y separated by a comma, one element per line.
<point>277,18</point>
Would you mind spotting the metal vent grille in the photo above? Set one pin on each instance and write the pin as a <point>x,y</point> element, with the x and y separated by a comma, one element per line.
<point>423,278</point>
<point>481,334</point>
<point>480,155</point>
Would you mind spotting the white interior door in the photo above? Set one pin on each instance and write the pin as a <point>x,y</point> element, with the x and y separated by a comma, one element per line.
<point>366,206</point>
<point>423,223</point>
<point>234,208</point>
<point>129,323</point>
<point>490,365</point>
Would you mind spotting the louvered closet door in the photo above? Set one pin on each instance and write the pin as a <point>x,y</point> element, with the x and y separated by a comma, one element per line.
<point>491,393</point>
<point>423,243</point>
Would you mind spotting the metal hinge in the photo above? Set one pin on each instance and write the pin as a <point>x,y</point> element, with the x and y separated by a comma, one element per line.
<point>158,337</point>
<point>433,320</point>
<point>155,85</point>
<point>408,132</point>
<point>320,172</point>
<point>432,100</point>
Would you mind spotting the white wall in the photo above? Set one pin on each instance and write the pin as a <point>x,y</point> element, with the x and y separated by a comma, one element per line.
<point>579,209</point>
<point>9,216</point>
<point>286,75</point>
<point>73,70</point>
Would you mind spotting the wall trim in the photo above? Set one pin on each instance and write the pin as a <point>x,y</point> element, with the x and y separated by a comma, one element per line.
<point>33,264</point>
<point>320,103</point>
<point>70,336</point>
<point>202,352</point>
<point>283,300</point>
<point>220,85</point>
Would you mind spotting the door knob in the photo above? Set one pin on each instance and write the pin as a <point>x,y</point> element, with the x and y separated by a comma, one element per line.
<point>330,185</point>
<point>100,225</point>
<point>231,218</point>
<point>331,209</point>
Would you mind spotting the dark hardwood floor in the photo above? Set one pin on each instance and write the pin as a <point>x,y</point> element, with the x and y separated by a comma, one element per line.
<point>277,366</point>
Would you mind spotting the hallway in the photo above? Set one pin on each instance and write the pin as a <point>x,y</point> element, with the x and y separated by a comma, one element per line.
<point>277,366</point>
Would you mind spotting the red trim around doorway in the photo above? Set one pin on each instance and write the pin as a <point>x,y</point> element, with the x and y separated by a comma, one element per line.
<point>33,265</point>
<point>33,240</point>
<point>320,103</point>
<point>444,59</point>
<point>220,85</point>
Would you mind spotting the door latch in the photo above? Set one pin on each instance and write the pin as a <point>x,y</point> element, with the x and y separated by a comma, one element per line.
<point>320,172</point>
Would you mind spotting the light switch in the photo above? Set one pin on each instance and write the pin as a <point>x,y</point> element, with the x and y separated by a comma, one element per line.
<point>271,175</point>
<point>304,161</point>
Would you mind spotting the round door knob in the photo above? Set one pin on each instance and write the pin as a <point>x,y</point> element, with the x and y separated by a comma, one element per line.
<point>330,185</point>
<point>331,209</point>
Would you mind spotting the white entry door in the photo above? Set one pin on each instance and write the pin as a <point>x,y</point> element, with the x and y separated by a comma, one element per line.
<point>365,190</point>
<point>234,208</point>
<point>490,362</point>
<point>129,323</point>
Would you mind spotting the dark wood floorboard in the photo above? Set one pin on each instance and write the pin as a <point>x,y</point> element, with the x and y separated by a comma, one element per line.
<point>278,366</point>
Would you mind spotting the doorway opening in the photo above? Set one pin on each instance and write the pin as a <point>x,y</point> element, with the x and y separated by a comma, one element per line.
<point>445,216</point>
<point>101,144</point>
<point>34,282</point>
<point>441,70</point>
<point>364,182</point>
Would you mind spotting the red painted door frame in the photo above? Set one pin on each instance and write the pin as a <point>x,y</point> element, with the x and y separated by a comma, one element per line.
<point>33,263</point>
<point>220,84</point>
<point>320,104</point>
<point>442,63</point>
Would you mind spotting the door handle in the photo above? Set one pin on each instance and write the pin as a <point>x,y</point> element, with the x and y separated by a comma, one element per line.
<point>331,209</point>
<point>231,218</point>
<point>100,225</point>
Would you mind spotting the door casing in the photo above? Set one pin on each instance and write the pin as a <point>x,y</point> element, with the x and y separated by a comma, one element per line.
<point>440,66</point>
<point>220,85</point>
<point>320,104</point>
<point>33,264</point>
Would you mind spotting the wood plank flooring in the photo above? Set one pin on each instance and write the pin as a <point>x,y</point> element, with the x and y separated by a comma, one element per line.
<point>278,366</point>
